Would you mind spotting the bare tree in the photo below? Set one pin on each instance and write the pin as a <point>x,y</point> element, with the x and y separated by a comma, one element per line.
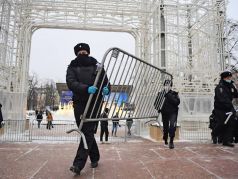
<point>231,43</point>
<point>32,92</point>
<point>50,94</point>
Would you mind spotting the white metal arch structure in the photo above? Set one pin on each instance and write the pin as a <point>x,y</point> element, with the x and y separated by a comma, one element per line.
<point>183,37</point>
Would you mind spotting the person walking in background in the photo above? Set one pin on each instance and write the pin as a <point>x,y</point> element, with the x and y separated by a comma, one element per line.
<point>104,126</point>
<point>1,118</point>
<point>49,118</point>
<point>80,77</point>
<point>129,123</point>
<point>225,91</point>
<point>39,117</point>
<point>169,111</point>
<point>115,124</point>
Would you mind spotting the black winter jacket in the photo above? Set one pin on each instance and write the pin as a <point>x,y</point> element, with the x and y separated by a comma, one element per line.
<point>104,123</point>
<point>171,102</point>
<point>224,93</point>
<point>81,74</point>
<point>1,118</point>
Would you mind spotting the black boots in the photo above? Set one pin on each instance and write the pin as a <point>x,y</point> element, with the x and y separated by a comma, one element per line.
<point>75,170</point>
<point>94,164</point>
<point>165,140</point>
<point>171,143</point>
<point>214,139</point>
<point>228,144</point>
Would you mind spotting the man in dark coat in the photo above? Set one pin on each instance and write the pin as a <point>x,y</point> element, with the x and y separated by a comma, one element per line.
<point>1,118</point>
<point>104,126</point>
<point>80,77</point>
<point>225,91</point>
<point>39,117</point>
<point>169,113</point>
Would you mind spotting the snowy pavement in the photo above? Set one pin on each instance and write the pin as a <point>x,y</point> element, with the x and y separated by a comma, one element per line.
<point>138,158</point>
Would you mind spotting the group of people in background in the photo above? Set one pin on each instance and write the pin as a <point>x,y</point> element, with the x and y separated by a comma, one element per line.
<point>49,118</point>
<point>115,125</point>
<point>39,118</point>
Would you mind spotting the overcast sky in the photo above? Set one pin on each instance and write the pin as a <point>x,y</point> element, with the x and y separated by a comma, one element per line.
<point>52,49</point>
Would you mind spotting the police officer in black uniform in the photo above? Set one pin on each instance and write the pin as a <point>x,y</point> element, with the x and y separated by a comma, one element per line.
<point>169,113</point>
<point>225,91</point>
<point>80,77</point>
<point>1,118</point>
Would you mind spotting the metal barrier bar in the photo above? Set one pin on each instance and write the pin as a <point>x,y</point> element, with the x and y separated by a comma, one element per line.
<point>24,131</point>
<point>133,79</point>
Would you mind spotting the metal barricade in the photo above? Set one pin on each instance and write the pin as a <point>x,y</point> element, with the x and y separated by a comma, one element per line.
<point>54,132</point>
<point>196,131</point>
<point>135,88</point>
<point>15,131</point>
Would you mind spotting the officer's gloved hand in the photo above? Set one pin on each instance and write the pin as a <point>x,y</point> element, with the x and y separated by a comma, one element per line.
<point>92,89</point>
<point>105,90</point>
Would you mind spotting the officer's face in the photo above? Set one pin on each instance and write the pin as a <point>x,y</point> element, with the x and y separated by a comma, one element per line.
<point>83,52</point>
<point>167,88</point>
<point>228,78</point>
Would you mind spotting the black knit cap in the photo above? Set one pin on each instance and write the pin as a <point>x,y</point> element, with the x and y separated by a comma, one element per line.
<point>225,74</point>
<point>81,46</point>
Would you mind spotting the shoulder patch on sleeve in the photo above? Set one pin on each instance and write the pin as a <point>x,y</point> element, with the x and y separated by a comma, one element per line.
<point>221,90</point>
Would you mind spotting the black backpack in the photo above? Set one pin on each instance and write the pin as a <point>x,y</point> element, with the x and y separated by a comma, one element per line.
<point>212,121</point>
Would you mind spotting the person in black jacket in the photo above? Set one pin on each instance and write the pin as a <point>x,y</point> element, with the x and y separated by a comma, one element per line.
<point>169,113</point>
<point>104,126</point>
<point>39,117</point>
<point>115,124</point>
<point>80,77</point>
<point>1,118</point>
<point>225,91</point>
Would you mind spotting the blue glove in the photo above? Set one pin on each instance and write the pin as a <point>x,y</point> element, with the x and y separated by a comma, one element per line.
<point>105,90</point>
<point>92,89</point>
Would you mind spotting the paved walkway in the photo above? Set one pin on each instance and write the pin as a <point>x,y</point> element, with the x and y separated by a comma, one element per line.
<point>139,158</point>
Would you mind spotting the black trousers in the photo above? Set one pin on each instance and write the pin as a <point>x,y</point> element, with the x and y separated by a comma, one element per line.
<point>235,132</point>
<point>104,130</point>
<point>222,129</point>
<point>88,130</point>
<point>49,125</point>
<point>39,121</point>
<point>169,125</point>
